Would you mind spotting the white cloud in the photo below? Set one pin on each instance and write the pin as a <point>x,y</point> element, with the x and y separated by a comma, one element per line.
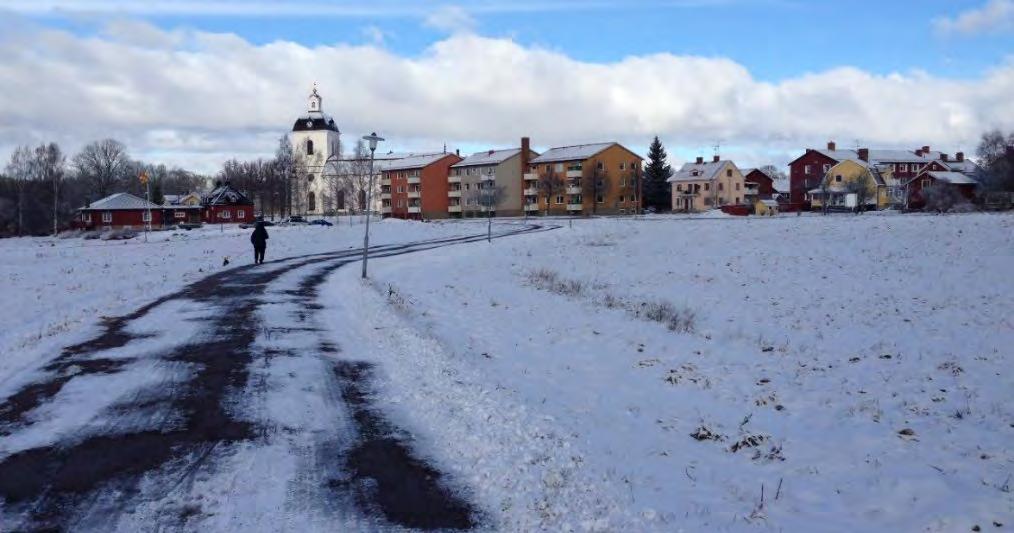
<point>994,17</point>
<point>451,19</point>
<point>199,98</point>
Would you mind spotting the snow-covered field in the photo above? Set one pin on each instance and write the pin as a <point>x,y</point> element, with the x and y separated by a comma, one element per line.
<point>839,373</point>
<point>811,373</point>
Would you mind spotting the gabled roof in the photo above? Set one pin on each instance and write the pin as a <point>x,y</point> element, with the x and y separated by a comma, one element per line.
<point>694,171</point>
<point>416,161</point>
<point>578,152</point>
<point>954,178</point>
<point>225,194</point>
<point>121,200</point>
<point>489,157</point>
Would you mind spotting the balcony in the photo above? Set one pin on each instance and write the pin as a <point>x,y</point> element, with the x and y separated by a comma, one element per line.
<point>575,173</point>
<point>386,210</point>
<point>530,176</point>
<point>416,209</point>
<point>453,179</point>
<point>414,194</point>
<point>385,181</point>
<point>454,209</point>
<point>574,207</point>
<point>531,191</point>
<point>385,196</point>
<point>454,194</point>
<point>531,207</point>
<point>574,189</point>
<point>414,179</point>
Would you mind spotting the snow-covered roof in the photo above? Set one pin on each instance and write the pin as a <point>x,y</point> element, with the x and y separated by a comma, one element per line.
<point>578,152</point>
<point>780,185</point>
<point>955,178</point>
<point>121,200</point>
<point>416,161</point>
<point>226,194</point>
<point>965,166</point>
<point>769,203</point>
<point>698,171</point>
<point>489,157</point>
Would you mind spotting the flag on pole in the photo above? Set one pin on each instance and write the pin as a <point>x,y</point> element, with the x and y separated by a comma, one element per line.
<point>143,177</point>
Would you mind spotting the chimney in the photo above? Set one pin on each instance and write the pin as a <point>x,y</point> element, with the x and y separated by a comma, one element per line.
<point>960,156</point>
<point>919,152</point>
<point>490,152</point>
<point>525,148</point>
<point>831,146</point>
<point>925,150</point>
<point>864,154</point>
<point>700,160</point>
<point>457,152</point>
<point>716,159</point>
<point>945,157</point>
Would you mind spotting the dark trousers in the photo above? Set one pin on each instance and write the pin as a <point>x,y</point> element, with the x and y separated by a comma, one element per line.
<point>259,254</point>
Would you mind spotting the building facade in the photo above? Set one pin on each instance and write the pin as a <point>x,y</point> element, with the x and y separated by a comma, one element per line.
<point>416,187</point>
<point>119,211</point>
<point>701,185</point>
<point>501,170</point>
<point>587,179</point>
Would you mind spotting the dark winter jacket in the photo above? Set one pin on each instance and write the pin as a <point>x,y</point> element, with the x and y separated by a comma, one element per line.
<point>259,237</point>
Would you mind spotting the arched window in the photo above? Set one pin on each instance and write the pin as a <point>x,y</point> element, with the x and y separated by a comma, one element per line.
<point>341,200</point>
<point>311,201</point>
<point>309,147</point>
<point>362,200</point>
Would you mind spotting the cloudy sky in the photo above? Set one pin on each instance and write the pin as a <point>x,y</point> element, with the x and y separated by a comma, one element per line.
<point>194,83</point>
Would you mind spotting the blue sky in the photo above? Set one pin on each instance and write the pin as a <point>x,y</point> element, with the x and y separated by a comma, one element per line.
<point>195,82</point>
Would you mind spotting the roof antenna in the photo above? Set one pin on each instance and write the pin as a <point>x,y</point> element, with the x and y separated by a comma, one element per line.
<point>445,147</point>
<point>857,145</point>
<point>718,147</point>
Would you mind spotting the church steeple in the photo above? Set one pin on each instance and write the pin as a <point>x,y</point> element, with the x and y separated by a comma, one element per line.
<point>315,100</point>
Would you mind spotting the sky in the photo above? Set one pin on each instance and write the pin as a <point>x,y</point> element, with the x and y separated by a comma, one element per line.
<point>194,83</point>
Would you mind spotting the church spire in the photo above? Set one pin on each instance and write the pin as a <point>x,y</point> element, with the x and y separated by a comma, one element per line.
<point>315,100</point>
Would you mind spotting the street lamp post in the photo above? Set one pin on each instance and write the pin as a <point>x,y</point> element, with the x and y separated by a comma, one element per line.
<point>373,140</point>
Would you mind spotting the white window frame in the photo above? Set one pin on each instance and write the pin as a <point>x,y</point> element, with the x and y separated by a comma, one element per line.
<point>807,169</point>
<point>179,214</point>
<point>560,199</point>
<point>107,217</point>
<point>225,215</point>
<point>241,214</point>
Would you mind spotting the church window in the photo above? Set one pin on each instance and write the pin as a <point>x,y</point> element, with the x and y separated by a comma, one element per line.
<point>309,147</point>
<point>311,201</point>
<point>309,178</point>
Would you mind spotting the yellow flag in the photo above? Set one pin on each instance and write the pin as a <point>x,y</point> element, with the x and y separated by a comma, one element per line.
<point>143,177</point>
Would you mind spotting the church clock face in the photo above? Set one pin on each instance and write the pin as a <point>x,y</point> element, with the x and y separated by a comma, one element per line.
<point>309,123</point>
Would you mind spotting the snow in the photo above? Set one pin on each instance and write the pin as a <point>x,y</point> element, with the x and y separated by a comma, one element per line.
<point>578,152</point>
<point>814,340</point>
<point>825,336</point>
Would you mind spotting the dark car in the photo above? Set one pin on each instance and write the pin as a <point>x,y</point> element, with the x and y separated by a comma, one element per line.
<point>248,225</point>
<point>296,219</point>
<point>320,222</point>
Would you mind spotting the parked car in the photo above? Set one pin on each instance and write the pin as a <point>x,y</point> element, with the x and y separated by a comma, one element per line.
<point>320,222</point>
<point>296,219</point>
<point>248,225</point>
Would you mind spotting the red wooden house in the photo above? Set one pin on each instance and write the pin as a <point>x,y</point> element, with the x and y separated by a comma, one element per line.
<point>225,205</point>
<point>119,211</point>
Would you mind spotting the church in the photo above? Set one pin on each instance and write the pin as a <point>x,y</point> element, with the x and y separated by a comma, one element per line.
<point>316,140</point>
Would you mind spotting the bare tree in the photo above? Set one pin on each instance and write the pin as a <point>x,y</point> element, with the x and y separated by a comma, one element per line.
<point>594,184</point>
<point>825,193</point>
<point>773,172</point>
<point>941,197</point>
<point>50,166</point>
<point>21,169</point>
<point>860,186</point>
<point>550,184</point>
<point>102,164</point>
<point>285,171</point>
<point>488,195</point>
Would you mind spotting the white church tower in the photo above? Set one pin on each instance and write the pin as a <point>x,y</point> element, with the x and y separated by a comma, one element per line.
<point>315,139</point>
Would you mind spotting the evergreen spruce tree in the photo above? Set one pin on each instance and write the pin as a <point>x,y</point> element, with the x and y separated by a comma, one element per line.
<point>656,172</point>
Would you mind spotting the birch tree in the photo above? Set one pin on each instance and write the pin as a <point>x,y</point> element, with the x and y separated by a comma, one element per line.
<point>550,185</point>
<point>50,166</point>
<point>102,164</point>
<point>21,169</point>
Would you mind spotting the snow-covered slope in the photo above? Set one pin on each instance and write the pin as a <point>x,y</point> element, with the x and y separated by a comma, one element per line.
<point>824,373</point>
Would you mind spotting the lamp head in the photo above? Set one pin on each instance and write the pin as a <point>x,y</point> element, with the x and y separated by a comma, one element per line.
<point>373,139</point>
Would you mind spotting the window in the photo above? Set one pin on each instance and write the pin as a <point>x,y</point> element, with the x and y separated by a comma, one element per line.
<point>737,185</point>
<point>309,178</point>
<point>559,167</point>
<point>926,182</point>
<point>600,166</point>
<point>107,217</point>
<point>737,199</point>
<point>225,215</point>
<point>621,198</point>
<point>623,166</point>
<point>559,199</point>
<point>599,199</point>
<point>728,172</point>
<point>837,178</point>
<point>241,214</point>
<point>468,186</point>
<point>311,201</point>
<point>179,214</point>
<point>309,147</point>
<point>623,182</point>
<point>86,217</point>
<point>679,187</point>
<point>549,168</point>
<point>721,186</point>
<point>808,169</point>
<point>827,167</point>
<point>707,186</point>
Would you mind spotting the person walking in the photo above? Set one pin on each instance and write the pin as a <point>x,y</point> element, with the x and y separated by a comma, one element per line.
<point>259,239</point>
